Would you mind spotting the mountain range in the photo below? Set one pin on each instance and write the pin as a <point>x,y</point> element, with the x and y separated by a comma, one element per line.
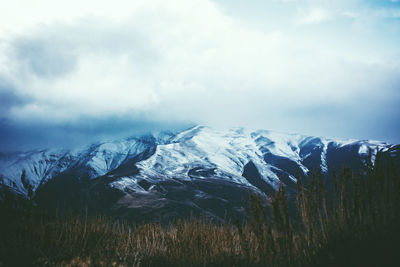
<point>201,170</point>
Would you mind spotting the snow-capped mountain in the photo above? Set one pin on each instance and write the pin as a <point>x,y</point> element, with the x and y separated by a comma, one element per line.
<point>202,168</point>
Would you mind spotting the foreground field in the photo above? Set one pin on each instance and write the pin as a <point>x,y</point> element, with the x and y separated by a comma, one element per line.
<point>353,223</point>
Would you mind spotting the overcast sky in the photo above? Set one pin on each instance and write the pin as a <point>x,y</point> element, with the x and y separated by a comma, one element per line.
<point>74,71</point>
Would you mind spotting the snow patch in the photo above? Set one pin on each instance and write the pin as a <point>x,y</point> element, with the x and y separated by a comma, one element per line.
<point>324,164</point>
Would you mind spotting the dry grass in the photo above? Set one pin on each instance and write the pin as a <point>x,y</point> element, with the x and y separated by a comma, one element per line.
<point>353,224</point>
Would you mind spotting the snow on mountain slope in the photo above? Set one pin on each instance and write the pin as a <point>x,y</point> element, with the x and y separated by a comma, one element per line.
<point>199,153</point>
<point>223,154</point>
<point>24,171</point>
<point>102,158</point>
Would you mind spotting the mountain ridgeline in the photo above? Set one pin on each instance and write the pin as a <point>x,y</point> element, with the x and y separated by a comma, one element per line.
<point>175,175</point>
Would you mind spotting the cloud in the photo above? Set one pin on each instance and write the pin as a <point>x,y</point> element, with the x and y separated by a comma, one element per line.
<point>8,98</point>
<point>315,15</point>
<point>350,14</point>
<point>191,61</point>
<point>81,133</point>
<point>44,57</point>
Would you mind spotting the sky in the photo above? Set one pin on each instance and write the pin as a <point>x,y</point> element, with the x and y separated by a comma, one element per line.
<point>74,71</point>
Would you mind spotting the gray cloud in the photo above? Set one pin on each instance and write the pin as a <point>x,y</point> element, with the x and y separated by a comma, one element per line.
<point>55,49</point>
<point>44,56</point>
<point>213,64</point>
<point>9,98</point>
<point>15,135</point>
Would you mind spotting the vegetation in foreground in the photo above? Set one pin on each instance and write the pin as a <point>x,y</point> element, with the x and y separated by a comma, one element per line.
<point>353,223</point>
